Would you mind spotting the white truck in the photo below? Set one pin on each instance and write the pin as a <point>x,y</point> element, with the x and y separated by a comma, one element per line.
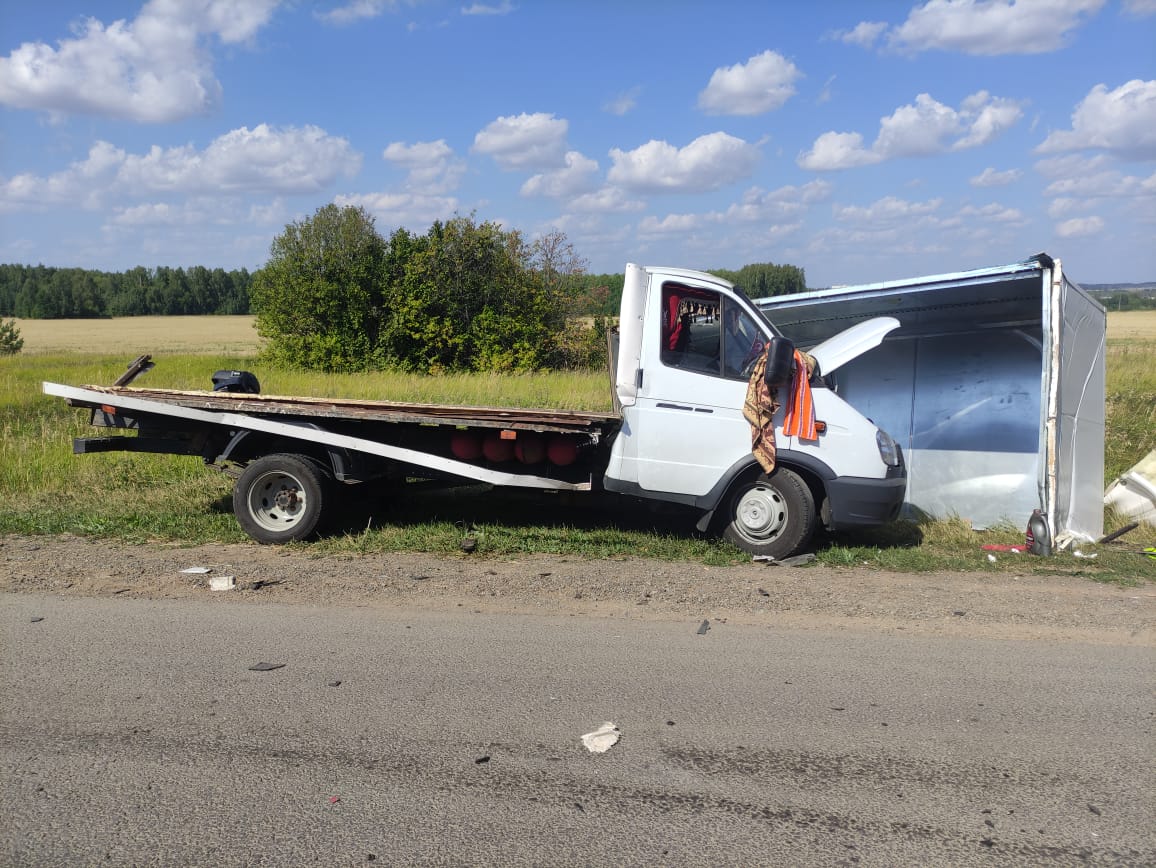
<point>680,366</point>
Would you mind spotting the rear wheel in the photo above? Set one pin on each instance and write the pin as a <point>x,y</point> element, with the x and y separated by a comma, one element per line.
<point>771,515</point>
<point>280,498</point>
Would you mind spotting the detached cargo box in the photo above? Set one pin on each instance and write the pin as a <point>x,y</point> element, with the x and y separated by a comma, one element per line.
<point>993,384</point>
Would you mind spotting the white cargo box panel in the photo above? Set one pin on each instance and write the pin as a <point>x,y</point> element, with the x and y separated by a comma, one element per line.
<point>993,384</point>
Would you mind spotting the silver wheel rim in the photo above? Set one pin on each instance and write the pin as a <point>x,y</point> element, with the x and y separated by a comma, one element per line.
<point>760,514</point>
<point>277,501</point>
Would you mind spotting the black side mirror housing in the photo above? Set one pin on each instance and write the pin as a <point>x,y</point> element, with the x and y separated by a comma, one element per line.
<point>780,362</point>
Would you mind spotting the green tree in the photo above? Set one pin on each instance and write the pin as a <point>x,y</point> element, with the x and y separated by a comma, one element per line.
<point>10,341</point>
<point>760,280</point>
<point>319,298</point>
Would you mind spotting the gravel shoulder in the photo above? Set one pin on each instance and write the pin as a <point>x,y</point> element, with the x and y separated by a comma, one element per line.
<point>948,604</point>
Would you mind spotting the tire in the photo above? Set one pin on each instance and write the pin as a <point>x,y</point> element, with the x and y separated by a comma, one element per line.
<point>281,498</point>
<point>771,515</point>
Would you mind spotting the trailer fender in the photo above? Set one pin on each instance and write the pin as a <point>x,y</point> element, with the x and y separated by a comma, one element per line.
<point>338,459</point>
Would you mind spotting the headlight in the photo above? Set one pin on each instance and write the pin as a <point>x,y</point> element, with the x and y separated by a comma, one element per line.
<point>888,448</point>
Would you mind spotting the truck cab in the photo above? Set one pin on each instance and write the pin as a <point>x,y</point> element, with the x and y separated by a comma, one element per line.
<point>687,344</point>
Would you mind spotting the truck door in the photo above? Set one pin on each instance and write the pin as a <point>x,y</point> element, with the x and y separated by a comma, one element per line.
<point>689,426</point>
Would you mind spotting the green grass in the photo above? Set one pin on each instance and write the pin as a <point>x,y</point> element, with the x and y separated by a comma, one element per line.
<point>143,498</point>
<point>1130,403</point>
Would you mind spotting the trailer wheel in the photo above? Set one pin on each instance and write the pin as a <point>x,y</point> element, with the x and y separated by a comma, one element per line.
<point>771,515</point>
<point>280,498</point>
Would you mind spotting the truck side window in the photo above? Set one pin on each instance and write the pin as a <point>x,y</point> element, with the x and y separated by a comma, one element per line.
<point>742,342</point>
<point>691,329</point>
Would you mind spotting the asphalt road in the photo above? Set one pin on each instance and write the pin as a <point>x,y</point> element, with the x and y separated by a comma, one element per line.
<point>133,732</point>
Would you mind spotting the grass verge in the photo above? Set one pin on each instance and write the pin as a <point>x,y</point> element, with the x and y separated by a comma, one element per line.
<point>142,498</point>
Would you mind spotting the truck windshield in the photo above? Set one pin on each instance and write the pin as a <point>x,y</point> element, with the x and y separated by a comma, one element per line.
<point>758,312</point>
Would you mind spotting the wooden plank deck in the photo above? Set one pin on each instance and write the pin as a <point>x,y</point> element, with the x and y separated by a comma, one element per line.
<point>379,411</point>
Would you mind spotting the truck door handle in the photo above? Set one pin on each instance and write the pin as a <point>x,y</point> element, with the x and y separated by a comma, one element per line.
<point>664,406</point>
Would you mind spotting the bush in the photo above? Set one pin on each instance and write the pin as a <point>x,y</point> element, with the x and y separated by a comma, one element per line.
<point>467,296</point>
<point>10,341</point>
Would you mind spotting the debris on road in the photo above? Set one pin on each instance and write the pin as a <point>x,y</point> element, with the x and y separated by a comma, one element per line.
<point>601,739</point>
<point>265,667</point>
<point>703,627</point>
<point>196,571</point>
<point>36,618</point>
<point>1116,534</point>
<point>795,561</point>
<point>222,583</point>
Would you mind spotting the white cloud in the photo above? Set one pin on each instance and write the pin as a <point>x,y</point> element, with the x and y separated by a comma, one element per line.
<point>1140,8</point>
<point>357,10</point>
<point>762,84</point>
<point>196,211</point>
<point>1059,207</point>
<point>864,34</point>
<point>1080,227</point>
<point>525,141</point>
<point>837,151</point>
<point>671,224</point>
<point>607,200</point>
<point>624,103</point>
<point>151,214</point>
<point>888,210</point>
<point>987,117</point>
<point>1068,165</point>
<point>1106,184</point>
<point>154,69</point>
<point>757,205</point>
<point>503,8</point>
<point>992,27</point>
<point>994,213</point>
<point>990,177</point>
<point>402,209</point>
<point>917,130</point>
<point>576,178</point>
<point>825,93</point>
<point>1121,121</point>
<point>708,163</point>
<point>263,160</point>
<point>432,166</point>
<point>921,129</point>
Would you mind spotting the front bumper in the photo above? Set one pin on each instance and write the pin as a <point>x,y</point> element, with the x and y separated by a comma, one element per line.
<point>857,502</point>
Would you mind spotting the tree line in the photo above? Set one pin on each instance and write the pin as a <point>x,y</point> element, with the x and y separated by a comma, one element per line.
<point>44,292</point>
<point>335,295</point>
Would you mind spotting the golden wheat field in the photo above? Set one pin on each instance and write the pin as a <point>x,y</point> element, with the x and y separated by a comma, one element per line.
<point>237,335</point>
<point>1139,324</point>
<point>134,336</point>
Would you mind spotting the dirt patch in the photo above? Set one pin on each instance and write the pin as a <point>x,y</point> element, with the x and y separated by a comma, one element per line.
<point>949,604</point>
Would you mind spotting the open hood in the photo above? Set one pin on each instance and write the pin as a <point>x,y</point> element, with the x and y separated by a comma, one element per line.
<point>853,342</point>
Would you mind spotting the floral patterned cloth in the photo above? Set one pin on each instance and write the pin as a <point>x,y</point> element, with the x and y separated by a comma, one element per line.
<point>762,403</point>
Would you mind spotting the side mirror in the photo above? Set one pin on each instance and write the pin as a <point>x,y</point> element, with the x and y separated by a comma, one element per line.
<point>780,363</point>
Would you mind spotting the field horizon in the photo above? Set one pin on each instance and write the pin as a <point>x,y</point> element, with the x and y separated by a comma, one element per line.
<point>237,334</point>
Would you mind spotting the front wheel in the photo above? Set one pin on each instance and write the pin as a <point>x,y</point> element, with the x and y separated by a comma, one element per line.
<point>771,515</point>
<point>280,498</point>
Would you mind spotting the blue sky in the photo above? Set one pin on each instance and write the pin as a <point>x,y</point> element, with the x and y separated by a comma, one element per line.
<point>861,141</point>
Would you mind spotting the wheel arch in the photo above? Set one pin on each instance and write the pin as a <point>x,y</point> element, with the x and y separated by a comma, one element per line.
<point>246,446</point>
<point>811,470</point>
